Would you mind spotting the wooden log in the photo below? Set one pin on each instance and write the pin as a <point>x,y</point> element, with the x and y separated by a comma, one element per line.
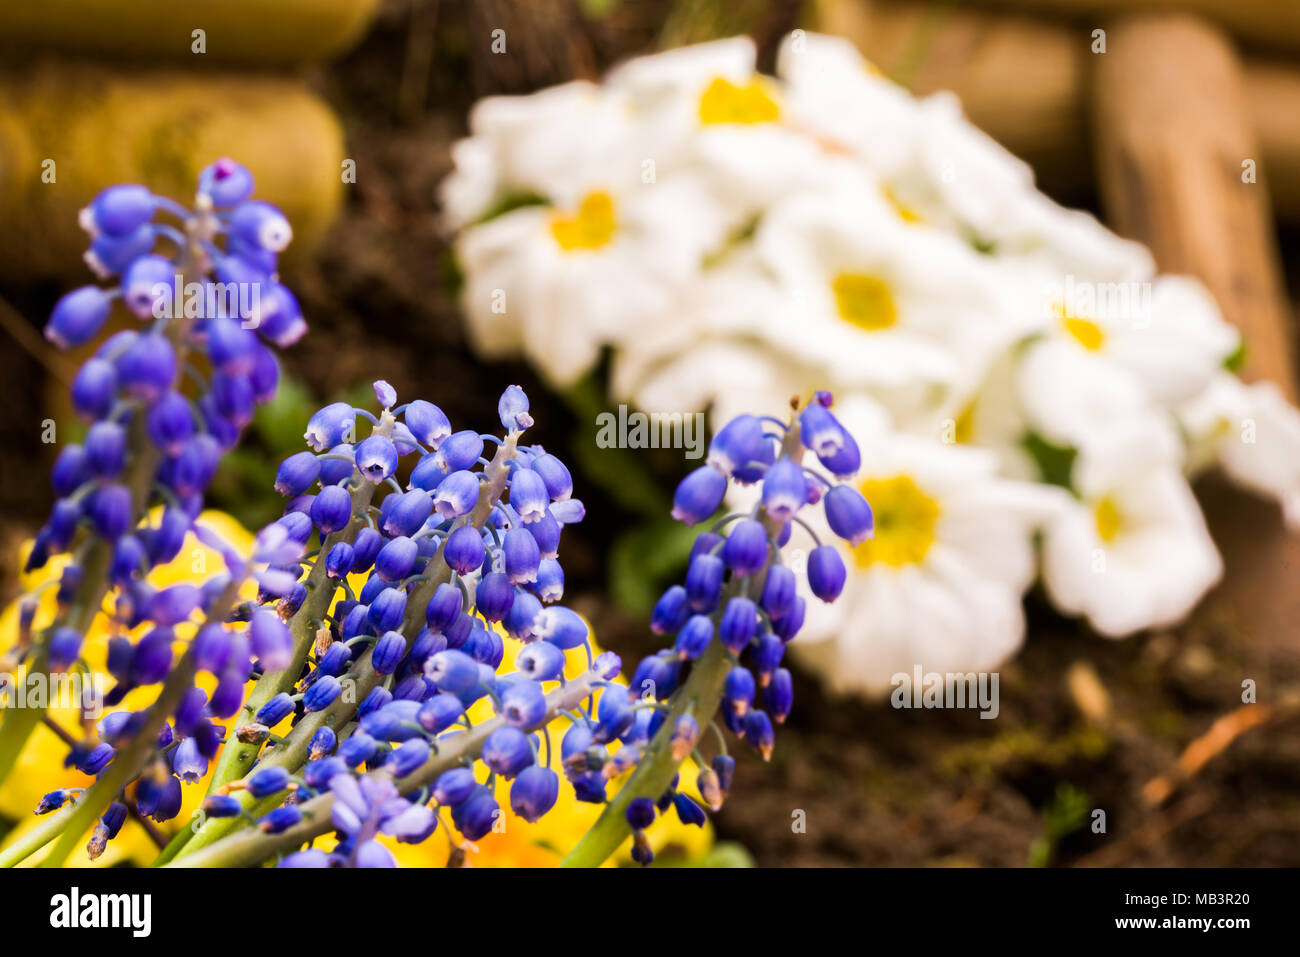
<point>1172,130</point>
<point>1024,81</point>
<point>100,126</point>
<point>1271,24</point>
<point>1171,120</point>
<point>248,31</point>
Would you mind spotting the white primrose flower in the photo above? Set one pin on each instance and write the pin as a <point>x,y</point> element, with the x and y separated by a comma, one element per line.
<point>940,584</point>
<point>1132,551</point>
<point>1254,433</point>
<point>559,282</point>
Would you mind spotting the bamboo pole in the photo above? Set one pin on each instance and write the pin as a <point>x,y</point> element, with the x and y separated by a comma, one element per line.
<point>1172,125</point>
<point>1024,81</point>
<point>1274,24</point>
<point>1172,131</point>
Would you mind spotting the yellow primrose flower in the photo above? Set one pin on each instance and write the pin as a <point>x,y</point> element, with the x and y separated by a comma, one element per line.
<point>40,766</point>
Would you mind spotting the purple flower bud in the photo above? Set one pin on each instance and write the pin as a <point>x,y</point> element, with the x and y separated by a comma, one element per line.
<point>779,696</point>
<point>321,694</point>
<point>387,610</point>
<point>153,657</point>
<point>546,533</point>
<point>507,751</point>
<point>110,510</point>
<point>232,397</point>
<point>331,509</point>
<point>78,316</point>
<point>457,494</point>
<point>267,781</point>
<point>70,470</point>
<point>174,605</point>
<point>171,422</point>
<point>396,559</point>
<point>522,556</point>
<point>297,473</point>
<point>464,549</point>
<point>848,514</point>
<point>562,627</point>
<point>524,618</point>
<point>477,815</point>
<point>272,642</point>
<point>534,792</point>
<point>549,586</point>
<point>407,512</point>
<point>758,732</point>
<point>694,637</point>
<point>523,705</point>
<point>329,426</point>
<point>118,210</point>
<point>225,182</point>
<point>739,622</point>
<point>275,710</point>
<point>427,423</point>
<point>688,812</point>
<point>767,654</point>
<point>570,511</point>
<point>261,225</point>
<point>704,582</point>
<point>494,596</point>
<point>736,444</point>
<point>512,409</point>
<point>231,347</point>
<point>280,320</point>
<point>785,490</point>
<point>194,465</point>
<point>554,473</point>
<point>187,763</point>
<point>105,449</point>
<point>746,547</point>
<point>388,652</point>
<point>148,367</point>
<point>264,375</point>
<point>640,813</point>
<point>452,671</point>
<point>94,388</point>
<point>458,451</point>
<point>826,572</point>
<point>65,646</point>
<point>528,495</point>
<point>738,689</point>
<point>365,547</point>
<point>699,495</point>
<point>129,560</point>
<point>444,608</point>
<point>821,432</point>
<point>376,458</point>
<point>779,592</point>
<point>614,713</point>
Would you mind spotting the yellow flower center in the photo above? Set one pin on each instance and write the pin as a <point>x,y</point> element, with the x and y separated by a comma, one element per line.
<point>906,213</point>
<point>725,102</point>
<point>864,301</point>
<point>905,520</point>
<point>964,426</point>
<point>591,227</point>
<point>1106,515</point>
<point>1085,332</point>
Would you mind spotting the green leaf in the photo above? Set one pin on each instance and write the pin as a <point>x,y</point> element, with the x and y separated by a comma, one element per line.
<point>1237,358</point>
<point>1055,462</point>
<point>644,558</point>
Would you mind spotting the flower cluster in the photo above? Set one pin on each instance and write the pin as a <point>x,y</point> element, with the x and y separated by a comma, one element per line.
<point>1019,373</point>
<point>740,603</point>
<point>129,493</point>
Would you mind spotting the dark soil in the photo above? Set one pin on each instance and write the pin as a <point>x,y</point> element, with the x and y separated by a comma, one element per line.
<point>877,786</point>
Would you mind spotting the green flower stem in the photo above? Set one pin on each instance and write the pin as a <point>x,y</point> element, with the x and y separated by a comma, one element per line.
<point>237,756</point>
<point>71,823</point>
<point>701,696</point>
<point>292,752</point>
<point>250,847</point>
<point>702,693</point>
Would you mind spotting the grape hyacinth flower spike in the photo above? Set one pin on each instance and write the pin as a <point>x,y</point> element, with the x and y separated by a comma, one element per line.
<point>728,623</point>
<point>196,282</point>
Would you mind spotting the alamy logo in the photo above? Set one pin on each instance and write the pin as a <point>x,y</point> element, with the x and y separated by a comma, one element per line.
<point>205,300</point>
<point>651,430</point>
<point>73,910</point>
<point>950,690</point>
<point>61,690</point>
